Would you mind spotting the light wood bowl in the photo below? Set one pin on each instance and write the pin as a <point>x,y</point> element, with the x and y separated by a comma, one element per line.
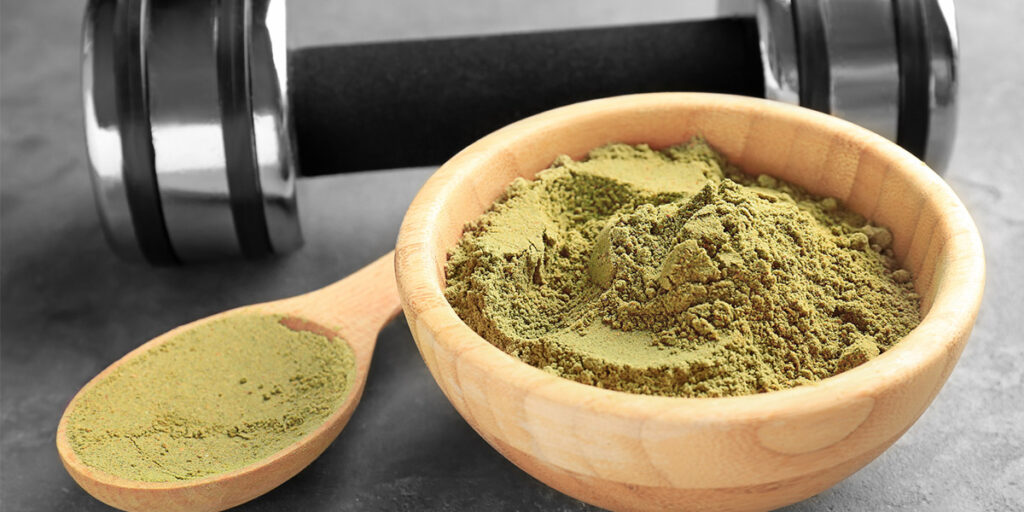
<point>633,452</point>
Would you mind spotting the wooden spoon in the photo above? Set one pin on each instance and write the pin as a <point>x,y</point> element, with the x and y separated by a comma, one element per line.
<point>353,309</point>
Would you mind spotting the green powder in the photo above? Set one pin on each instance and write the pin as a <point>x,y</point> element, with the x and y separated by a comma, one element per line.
<point>672,273</point>
<point>213,399</point>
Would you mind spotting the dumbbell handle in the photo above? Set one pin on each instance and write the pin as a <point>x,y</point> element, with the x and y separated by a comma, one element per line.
<point>415,103</point>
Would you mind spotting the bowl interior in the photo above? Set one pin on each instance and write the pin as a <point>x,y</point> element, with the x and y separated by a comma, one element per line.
<point>933,235</point>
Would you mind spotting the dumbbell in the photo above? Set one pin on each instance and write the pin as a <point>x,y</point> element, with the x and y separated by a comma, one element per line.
<point>199,120</point>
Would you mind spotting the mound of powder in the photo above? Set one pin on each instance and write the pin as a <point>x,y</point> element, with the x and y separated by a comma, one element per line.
<point>672,273</point>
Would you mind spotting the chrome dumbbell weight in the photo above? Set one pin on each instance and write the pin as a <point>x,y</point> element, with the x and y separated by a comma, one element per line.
<point>199,120</point>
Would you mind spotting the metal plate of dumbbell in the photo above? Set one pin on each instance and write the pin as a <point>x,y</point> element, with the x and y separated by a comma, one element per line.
<point>198,119</point>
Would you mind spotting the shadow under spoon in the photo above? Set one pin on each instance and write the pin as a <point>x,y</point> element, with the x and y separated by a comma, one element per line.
<point>351,311</point>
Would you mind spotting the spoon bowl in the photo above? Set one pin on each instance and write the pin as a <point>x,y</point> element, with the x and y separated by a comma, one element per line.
<point>351,311</point>
<point>636,452</point>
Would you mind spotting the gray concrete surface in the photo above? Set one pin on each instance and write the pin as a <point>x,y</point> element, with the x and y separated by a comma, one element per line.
<point>69,308</point>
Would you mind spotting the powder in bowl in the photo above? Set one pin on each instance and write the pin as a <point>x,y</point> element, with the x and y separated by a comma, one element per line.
<point>673,273</point>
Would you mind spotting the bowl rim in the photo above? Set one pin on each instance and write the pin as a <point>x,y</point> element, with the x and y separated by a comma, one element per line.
<point>948,321</point>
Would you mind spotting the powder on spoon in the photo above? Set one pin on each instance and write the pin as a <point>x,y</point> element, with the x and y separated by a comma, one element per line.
<point>672,273</point>
<point>212,399</point>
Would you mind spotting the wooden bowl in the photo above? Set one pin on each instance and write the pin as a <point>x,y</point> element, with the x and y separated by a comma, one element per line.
<point>635,452</point>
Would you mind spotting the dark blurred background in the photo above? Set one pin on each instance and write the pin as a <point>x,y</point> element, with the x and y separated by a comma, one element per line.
<point>68,307</point>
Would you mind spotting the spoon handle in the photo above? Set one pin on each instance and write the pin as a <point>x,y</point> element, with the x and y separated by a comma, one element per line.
<point>356,307</point>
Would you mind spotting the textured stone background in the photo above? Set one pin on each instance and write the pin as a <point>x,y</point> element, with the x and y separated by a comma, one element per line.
<point>69,308</point>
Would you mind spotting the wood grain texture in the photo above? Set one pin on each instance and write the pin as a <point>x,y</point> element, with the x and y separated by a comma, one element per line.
<point>352,310</point>
<point>634,452</point>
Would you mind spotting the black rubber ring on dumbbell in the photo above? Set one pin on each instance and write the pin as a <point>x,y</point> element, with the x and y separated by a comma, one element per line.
<point>234,20</point>
<point>812,56</point>
<point>136,135</point>
<point>915,76</point>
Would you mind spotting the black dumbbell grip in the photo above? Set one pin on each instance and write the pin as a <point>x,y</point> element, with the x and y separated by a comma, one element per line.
<point>404,104</point>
